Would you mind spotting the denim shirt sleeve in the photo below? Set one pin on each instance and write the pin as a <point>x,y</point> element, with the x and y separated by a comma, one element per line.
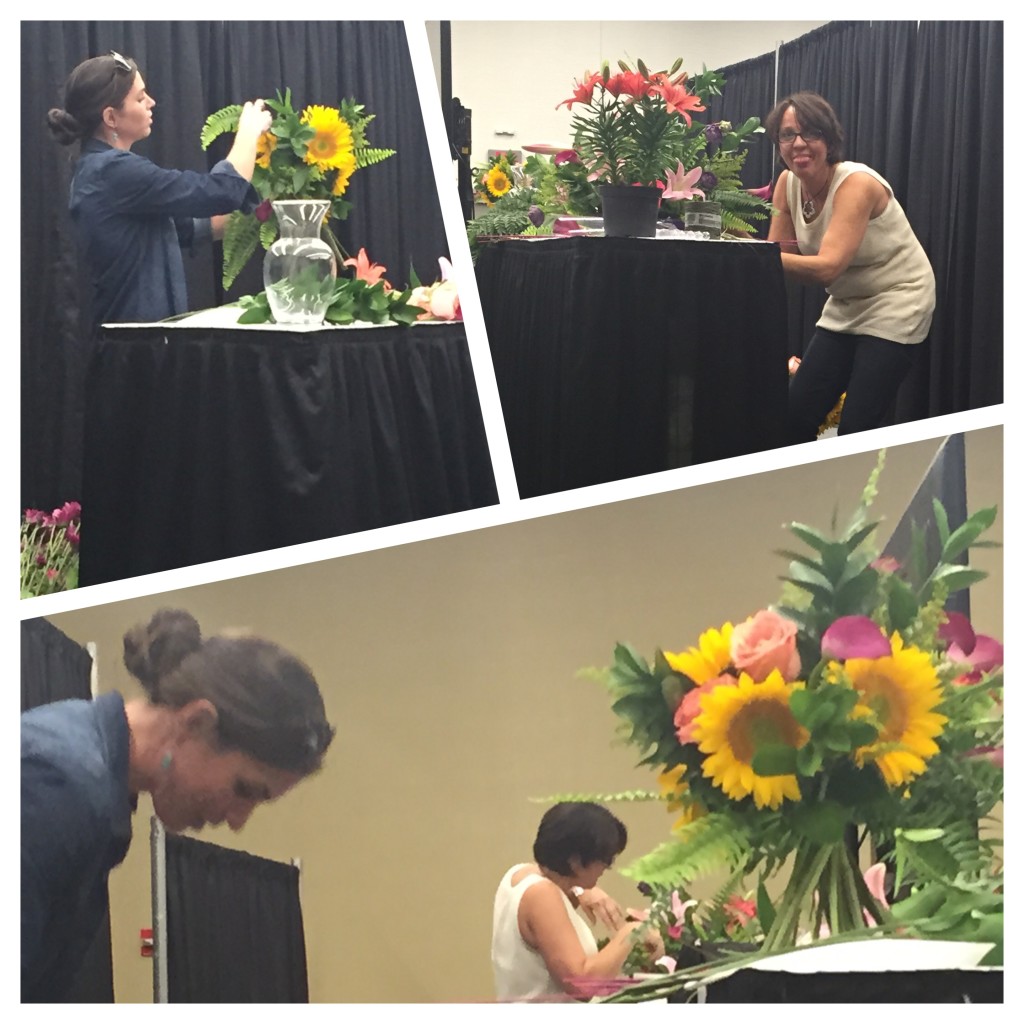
<point>136,185</point>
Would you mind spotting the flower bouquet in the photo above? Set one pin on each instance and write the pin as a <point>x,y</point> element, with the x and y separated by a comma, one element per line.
<point>49,549</point>
<point>857,715</point>
<point>495,179</point>
<point>307,155</point>
<point>635,128</point>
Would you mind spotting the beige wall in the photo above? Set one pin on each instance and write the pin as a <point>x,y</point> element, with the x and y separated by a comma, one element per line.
<point>449,667</point>
<point>541,59</point>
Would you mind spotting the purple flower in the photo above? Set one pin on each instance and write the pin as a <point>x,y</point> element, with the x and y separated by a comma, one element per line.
<point>35,516</point>
<point>713,136</point>
<point>263,211</point>
<point>708,180</point>
<point>536,215</point>
<point>855,636</point>
<point>644,889</point>
<point>567,156</point>
<point>73,535</point>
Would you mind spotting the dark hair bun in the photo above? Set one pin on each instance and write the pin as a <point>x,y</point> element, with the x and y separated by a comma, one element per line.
<point>154,649</point>
<point>64,128</point>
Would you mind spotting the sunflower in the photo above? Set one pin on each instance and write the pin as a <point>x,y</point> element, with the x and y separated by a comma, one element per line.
<point>675,790</point>
<point>709,659</point>
<point>265,145</point>
<point>734,721</point>
<point>497,182</point>
<point>898,693</point>
<point>341,181</point>
<point>331,146</point>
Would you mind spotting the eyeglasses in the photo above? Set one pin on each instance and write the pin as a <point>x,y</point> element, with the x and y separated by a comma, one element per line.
<point>788,137</point>
<point>121,63</point>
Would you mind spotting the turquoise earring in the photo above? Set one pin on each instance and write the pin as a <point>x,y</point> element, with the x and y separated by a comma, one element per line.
<point>165,761</point>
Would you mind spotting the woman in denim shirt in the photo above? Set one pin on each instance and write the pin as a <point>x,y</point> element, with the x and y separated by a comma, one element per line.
<point>132,217</point>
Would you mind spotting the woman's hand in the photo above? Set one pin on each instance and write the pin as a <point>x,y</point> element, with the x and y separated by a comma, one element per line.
<point>253,121</point>
<point>597,905</point>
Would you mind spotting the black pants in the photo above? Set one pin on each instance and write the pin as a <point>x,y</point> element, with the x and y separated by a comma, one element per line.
<point>868,369</point>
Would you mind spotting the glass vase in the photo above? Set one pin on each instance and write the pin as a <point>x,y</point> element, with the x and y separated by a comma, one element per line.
<point>299,270</point>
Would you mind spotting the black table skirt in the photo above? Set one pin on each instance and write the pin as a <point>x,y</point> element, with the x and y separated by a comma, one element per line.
<point>206,444</point>
<point>616,357</point>
<point>749,986</point>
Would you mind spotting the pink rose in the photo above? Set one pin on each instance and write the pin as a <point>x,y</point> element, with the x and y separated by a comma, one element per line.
<point>689,706</point>
<point>766,641</point>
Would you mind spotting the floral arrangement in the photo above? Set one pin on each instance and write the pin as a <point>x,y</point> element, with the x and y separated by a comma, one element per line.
<point>310,154</point>
<point>49,549</point>
<point>495,179</point>
<point>856,711</point>
<point>366,296</point>
<point>635,127</point>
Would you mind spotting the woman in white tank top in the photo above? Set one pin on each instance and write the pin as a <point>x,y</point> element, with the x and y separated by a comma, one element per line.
<point>541,948</point>
<point>840,226</point>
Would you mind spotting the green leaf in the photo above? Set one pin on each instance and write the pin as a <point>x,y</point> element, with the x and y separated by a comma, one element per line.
<point>802,703</point>
<point>808,760</point>
<point>774,759</point>
<point>967,533</point>
<point>862,733</point>
<point>857,595</point>
<point>921,835</point>
<point>903,605</point>
<point>955,577</point>
<point>810,536</point>
<point>941,521</point>
<point>823,822</point>
<point>836,738</point>
<point>765,909</point>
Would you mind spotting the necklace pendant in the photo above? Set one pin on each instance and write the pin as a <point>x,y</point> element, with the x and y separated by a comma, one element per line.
<point>809,209</point>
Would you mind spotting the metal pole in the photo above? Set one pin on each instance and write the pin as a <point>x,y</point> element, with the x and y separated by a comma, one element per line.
<point>158,863</point>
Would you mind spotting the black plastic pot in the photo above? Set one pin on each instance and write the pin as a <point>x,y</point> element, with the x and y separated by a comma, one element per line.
<point>629,210</point>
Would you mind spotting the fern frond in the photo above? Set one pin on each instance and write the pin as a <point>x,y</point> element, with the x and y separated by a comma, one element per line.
<point>219,122</point>
<point>268,232</point>
<point>370,155</point>
<point>241,235</point>
<point>629,795</point>
<point>702,846</point>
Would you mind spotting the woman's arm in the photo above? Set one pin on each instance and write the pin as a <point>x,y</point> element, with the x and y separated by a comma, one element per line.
<point>545,926</point>
<point>597,905</point>
<point>781,228</point>
<point>856,201</point>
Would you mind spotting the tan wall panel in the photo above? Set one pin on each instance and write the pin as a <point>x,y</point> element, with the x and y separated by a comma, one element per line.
<point>449,667</point>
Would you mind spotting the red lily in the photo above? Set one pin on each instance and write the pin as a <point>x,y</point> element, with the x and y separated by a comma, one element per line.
<point>628,83</point>
<point>678,100</point>
<point>583,91</point>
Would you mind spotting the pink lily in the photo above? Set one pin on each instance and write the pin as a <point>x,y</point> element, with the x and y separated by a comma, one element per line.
<point>679,909</point>
<point>366,271</point>
<point>855,636</point>
<point>764,192</point>
<point>679,183</point>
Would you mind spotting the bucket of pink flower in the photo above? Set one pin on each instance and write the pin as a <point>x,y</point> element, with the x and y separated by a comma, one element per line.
<point>49,549</point>
<point>855,721</point>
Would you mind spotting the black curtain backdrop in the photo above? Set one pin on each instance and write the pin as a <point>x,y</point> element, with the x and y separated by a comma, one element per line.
<point>192,69</point>
<point>234,927</point>
<point>54,667</point>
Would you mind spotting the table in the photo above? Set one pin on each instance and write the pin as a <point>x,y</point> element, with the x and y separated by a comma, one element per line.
<point>750,986</point>
<point>616,357</point>
<point>201,444</point>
